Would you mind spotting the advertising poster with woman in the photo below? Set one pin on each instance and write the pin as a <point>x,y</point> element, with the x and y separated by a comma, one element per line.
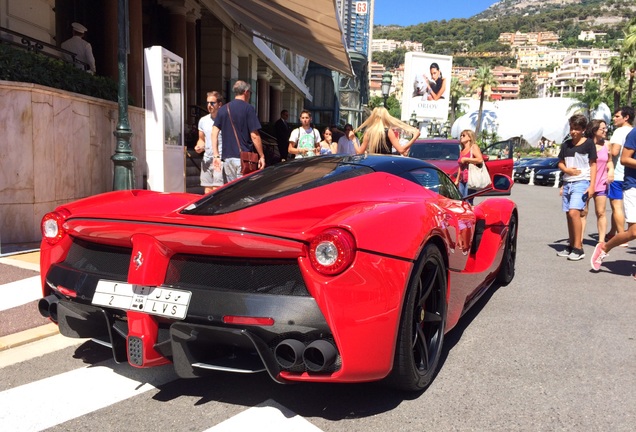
<point>427,80</point>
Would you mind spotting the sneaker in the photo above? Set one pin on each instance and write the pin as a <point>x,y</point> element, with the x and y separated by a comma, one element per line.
<point>597,257</point>
<point>576,254</point>
<point>565,252</point>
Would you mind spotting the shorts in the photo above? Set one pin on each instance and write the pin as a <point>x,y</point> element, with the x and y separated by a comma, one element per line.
<point>629,200</point>
<point>615,190</point>
<point>572,198</point>
<point>209,176</point>
<point>600,193</point>
<point>232,169</point>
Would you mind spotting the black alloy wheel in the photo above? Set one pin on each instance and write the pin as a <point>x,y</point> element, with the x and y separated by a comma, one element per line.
<point>421,332</point>
<point>507,269</point>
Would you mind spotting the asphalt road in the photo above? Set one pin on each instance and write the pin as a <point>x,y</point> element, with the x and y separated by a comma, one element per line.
<point>553,350</point>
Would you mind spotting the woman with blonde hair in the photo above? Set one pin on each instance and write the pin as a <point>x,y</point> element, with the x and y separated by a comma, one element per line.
<point>468,154</point>
<point>379,137</point>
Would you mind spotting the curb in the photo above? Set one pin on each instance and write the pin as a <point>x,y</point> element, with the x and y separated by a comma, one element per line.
<point>28,336</point>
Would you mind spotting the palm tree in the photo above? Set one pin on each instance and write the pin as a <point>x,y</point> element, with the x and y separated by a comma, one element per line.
<point>616,82</point>
<point>483,80</point>
<point>589,100</point>
<point>457,91</point>
<point>572,84</point>
<point>628,53</point>
<point>552,90</point>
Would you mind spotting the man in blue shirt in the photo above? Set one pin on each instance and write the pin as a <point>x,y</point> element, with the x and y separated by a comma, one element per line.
<point>244,125</point>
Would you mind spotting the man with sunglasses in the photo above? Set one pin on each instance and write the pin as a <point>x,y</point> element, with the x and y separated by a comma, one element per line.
<point>211,177</point>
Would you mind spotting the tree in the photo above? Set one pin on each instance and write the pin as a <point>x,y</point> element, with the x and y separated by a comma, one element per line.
<point>483,81</point>
<point>616,83</point>
<point>392,105</point>
<point>528,88</point>
<point>457,91</point>
<point>629,56</point>
<point>552,90</point>
<point>589,100</point>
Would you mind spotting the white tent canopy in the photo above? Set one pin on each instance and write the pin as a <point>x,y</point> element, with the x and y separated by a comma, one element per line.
<point>531,119</point>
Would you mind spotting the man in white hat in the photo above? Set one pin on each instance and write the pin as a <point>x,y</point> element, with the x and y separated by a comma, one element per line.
<point>82,49</point>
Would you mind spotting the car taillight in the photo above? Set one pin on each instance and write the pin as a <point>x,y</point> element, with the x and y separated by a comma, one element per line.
<point>332,251</point>
<point>53,226</point>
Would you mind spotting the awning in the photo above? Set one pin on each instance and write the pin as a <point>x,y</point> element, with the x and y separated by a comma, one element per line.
<point>308,28</point>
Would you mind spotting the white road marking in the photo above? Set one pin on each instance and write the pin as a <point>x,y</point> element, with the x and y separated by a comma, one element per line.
<point>268,416</point>
<point>20,263</point>
<point>78,392</point>
<point>37,349</point>
<point>20,292</point>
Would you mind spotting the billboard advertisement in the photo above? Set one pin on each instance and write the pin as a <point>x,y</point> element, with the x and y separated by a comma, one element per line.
<point>427,79</point>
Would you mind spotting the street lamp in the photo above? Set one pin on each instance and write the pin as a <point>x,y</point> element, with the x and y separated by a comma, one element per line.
<point>387,78</point>
<point>413,119</point>
<point>123,159</point>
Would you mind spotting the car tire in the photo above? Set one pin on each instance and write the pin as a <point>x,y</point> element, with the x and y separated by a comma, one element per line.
<point>421,332</point>
<point>507,269</point>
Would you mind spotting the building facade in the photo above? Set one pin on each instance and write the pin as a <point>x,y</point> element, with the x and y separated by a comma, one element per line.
<point>219,44</point>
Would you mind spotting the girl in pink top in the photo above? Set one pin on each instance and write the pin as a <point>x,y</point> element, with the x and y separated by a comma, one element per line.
<point>597,130</point>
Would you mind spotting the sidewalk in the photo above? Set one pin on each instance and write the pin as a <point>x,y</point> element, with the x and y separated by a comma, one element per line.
<point>20,321</point>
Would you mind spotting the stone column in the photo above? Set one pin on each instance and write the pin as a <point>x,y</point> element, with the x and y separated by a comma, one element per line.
<point>191,66</point>
<point>136,56</point>
<point>264,75</point>
<point>277,85</point>
<point>177,42</point>
<point>109,66</point>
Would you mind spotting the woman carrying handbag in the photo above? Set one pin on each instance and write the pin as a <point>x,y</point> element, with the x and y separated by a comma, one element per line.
<point>470,154</point>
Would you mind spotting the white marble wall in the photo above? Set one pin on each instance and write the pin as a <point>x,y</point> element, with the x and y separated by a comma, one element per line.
<point>55,147</point>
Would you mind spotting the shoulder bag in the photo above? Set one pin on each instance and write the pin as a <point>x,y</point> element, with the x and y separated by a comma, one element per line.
<point>478,177</point>
<point>249,160</point>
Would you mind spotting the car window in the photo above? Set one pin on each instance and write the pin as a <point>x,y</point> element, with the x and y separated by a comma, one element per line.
<point>498,150</point>
<point>436,181</point>
<point>276,182</point>
<point>435,151</point>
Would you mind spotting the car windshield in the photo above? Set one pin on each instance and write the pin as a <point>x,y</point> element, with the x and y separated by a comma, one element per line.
<point>276,182</point>
<point>525,162</point>
<point>546,162</point>
<point>435,151</point>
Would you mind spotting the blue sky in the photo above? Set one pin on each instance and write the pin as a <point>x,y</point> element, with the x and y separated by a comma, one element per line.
<point>409,12</point>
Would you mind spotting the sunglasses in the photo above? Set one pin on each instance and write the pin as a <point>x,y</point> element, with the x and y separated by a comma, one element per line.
<point>212,103</point>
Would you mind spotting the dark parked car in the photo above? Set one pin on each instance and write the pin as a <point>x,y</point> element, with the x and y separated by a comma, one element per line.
<point>522,173</point>
<point>444,153</point>
<point>546,176</point>
<point>524,161</point>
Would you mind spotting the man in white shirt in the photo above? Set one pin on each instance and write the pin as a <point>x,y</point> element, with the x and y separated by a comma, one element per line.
<point>348,143</point>
<point>82,49</point>
<point>623,120</point>
<point>211,176</point>
<point>304,141</point>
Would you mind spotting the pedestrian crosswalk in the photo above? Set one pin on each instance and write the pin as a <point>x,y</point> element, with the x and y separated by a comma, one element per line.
<point>73,396</point>
<point>18,293</point>
<point>77,392</point>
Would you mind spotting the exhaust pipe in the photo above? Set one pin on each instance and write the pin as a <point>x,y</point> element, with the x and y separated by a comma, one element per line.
<point>289,353</point>
<point>319,355</point>
<point>48,307</point>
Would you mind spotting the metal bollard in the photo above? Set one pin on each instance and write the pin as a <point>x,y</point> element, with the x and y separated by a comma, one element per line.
<point>556,179</point>
<point>531,182</point>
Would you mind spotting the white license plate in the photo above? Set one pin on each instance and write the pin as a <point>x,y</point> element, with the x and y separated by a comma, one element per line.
<point>539,176</point>
<point>162,301</point>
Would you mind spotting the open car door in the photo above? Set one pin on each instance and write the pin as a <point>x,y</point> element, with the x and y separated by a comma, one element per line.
<point>498,158</point>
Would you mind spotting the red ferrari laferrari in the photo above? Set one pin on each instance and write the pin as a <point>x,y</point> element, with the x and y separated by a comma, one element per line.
<point>325,269</point>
